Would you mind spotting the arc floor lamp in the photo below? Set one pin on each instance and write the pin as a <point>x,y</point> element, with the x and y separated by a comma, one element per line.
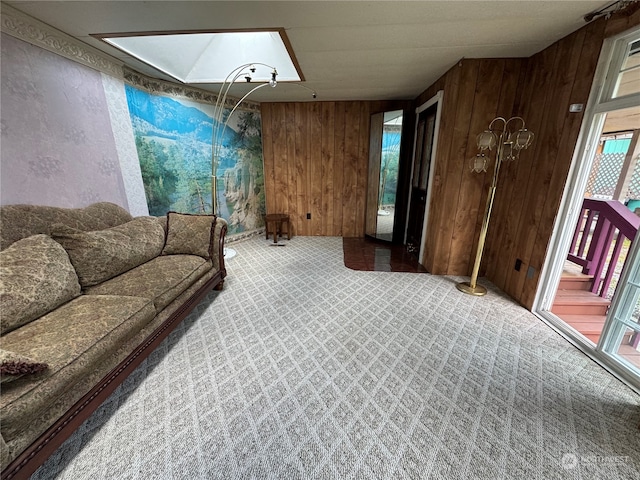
<point>242,72</point>
<point>220,123</point>
<point>507,142</point>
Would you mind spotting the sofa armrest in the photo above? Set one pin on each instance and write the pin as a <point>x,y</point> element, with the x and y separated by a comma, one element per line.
<point>216,248</point>
<point>217,245</point>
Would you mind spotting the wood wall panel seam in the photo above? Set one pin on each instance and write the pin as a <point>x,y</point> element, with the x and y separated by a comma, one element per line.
<point>292,184</point>
<point>338,176</point>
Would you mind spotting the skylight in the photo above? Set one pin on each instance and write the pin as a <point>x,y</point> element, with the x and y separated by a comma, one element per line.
<point>196,57</point>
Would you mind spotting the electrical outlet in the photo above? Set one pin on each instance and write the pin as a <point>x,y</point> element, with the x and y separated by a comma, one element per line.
<point>531,272</point>
<point>518,265</point>
<point>308,216</point>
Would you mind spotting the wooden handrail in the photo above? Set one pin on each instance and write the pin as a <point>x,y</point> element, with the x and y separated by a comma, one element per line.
<point>601,223</point>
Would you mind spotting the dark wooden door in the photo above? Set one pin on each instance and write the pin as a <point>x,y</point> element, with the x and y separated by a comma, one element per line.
<point>420,178</point>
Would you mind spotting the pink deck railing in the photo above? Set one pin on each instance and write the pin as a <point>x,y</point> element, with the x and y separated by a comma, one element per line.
<point>602,223</point>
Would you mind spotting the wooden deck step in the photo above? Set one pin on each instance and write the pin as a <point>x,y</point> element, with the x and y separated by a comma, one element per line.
<point>585,324</point>
<point>579,302</point>
<point>591,327</point>
<point>588,325</point>
<point>575,281</point>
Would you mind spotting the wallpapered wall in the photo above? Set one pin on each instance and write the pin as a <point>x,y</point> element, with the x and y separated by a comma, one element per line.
<point>57,143</point>
<point>68,140</point>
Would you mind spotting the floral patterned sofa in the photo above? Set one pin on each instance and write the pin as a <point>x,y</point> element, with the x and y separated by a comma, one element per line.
<point>85,295</point>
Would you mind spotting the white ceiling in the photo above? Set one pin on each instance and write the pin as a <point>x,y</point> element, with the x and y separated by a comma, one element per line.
<point>358,50</point>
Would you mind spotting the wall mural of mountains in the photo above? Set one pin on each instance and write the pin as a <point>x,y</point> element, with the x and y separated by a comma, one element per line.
<point>173,140</point>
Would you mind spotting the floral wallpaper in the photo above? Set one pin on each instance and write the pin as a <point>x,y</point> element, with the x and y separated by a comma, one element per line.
<point>57,145</point>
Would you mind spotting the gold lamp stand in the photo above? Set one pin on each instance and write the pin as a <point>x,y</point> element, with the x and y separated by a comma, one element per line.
<point>509,144</point>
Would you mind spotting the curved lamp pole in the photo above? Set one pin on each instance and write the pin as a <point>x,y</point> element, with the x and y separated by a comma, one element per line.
<point>509,143</point>
<point>245,71</point>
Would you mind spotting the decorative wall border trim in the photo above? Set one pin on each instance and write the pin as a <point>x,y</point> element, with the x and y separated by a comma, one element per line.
<point>35,32</point>
<point>162,87</point>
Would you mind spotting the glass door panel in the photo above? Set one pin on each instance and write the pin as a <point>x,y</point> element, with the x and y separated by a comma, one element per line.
<point>628,81</point>
<point>621,335</point>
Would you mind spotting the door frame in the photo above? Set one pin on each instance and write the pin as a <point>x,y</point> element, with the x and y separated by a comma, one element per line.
<point>598,105</point>
<point>435,100</point>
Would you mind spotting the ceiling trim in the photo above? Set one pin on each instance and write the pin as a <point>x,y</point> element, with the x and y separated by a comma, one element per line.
<point>35,32</point>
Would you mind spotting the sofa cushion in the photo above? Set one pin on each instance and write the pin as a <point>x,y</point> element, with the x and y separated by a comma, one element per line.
<point>100,255</point>
<point>36,276</point>
<point>14,366</point>
<point>189,234</point>
<point>160,280</point>
<point>74,339</point>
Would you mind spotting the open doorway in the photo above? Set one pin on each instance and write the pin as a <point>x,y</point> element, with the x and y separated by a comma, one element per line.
<point>605,229</point>
<point>588,289</point>
<point>424,151</point>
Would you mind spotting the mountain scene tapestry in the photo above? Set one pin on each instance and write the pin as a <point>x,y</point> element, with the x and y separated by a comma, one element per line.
<point>174,143</point>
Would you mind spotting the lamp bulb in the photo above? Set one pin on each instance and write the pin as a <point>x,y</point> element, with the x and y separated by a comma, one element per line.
<point>479,163</point>
<point>486,140</point>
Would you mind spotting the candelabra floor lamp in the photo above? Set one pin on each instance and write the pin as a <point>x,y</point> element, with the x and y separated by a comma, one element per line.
<point>507,144</point>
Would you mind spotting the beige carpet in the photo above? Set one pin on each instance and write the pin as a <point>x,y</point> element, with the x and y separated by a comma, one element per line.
<point>303,369</point>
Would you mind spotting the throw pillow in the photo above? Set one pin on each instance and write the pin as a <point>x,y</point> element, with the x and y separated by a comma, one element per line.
<point>14,366</point>
<point>189,234</point>
<point>103,254</point>
<point>36,276</point>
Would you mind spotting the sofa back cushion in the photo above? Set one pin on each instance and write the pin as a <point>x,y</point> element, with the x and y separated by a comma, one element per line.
<point>189,234</point>
<point>36,276</point>
<point>100,255</point>
<point>22,221</point>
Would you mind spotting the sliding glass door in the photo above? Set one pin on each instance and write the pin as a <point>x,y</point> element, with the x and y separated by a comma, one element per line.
<point>588,291</point>
<point>621,334</point>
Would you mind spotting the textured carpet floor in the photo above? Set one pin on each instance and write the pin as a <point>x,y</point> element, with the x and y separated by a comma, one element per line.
<point>302,368</point>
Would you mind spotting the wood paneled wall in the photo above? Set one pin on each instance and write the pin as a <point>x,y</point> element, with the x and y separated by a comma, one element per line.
<point>316,157</point>
<point>475,91</point>
<point>530,190</point>
<point>540,89</point>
